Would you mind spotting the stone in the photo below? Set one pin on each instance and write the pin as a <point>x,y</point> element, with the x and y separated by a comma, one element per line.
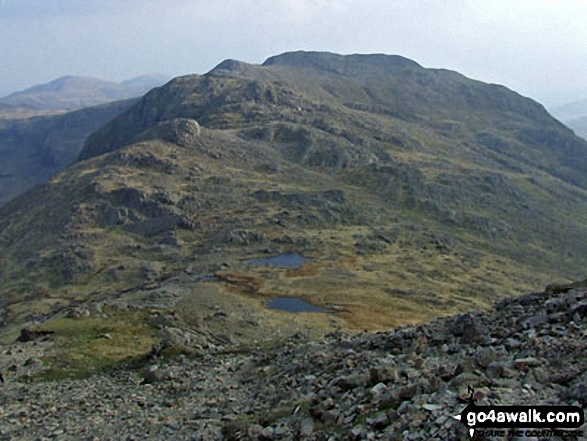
<point>380,422</point>
<point>485,356</point>
<point>432,407</point>
<point>580,309</point>
<point>174,337</point>
<point>577,392</point>
<point>495,369</point>
<point>378,389</point>
<point>180,131</point>
<point>383,374</point>
<point>352,381</point>
<point>358,433</point>
<point>27,334</point>
<point>465,379</point>
<point>407,392</point>
<point>512,343</point>
<point>469,329</point>
<point>254,431</point>
<point>307,427</point>
<point>155,375</point>
<point>527,361</point>
<point>555,305</point>
<point>535,321</point>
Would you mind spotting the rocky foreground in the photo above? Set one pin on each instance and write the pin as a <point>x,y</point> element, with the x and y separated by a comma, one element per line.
<point>403,384</point>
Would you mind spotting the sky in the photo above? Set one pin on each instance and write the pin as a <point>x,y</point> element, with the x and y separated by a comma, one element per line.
<point>535,47</point>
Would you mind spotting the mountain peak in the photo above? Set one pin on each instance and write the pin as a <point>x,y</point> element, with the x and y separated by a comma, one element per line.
<point>232,66</point>
<point>74,92</point>
<point>341,64</point>
<point>59,84</point>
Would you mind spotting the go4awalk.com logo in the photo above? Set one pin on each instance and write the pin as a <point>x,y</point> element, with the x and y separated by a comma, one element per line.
<point>537,421</point>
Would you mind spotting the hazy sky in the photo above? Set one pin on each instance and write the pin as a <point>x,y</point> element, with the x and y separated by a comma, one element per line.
<point>536,47</point>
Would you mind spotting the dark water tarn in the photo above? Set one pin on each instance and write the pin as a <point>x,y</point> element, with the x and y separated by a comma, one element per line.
<point>286,260</point>
<point>291,304</point>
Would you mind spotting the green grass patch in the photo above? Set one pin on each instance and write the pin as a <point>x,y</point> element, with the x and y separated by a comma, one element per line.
<point>85,346</point>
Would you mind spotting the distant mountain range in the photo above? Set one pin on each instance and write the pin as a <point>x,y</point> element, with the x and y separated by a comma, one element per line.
<point>415,193</point>
<point>75,92</point>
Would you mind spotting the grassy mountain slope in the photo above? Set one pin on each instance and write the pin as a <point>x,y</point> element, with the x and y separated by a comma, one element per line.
<point>416,192</point>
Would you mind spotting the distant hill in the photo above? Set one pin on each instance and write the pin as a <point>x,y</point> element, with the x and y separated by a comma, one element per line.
<point>415,193</point>
<point>143,83</point>
<point>75,92</point>
<point>579,125</point>
<point>574,115</point>
<point>571,110</point>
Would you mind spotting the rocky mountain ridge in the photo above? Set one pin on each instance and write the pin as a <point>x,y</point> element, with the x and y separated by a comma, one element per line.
<point>311,89</point>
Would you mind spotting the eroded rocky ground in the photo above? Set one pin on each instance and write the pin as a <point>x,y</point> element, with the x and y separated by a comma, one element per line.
<point>404,384</point>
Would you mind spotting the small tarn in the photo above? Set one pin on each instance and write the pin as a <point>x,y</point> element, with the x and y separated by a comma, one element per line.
<point>286,260</point>
<point>292,304</point>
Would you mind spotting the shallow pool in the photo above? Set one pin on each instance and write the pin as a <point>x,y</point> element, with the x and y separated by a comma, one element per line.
<point>285,260</point>
<point>292,304</point>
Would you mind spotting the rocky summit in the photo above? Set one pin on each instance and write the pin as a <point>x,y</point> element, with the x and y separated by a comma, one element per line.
<point>404,384</point>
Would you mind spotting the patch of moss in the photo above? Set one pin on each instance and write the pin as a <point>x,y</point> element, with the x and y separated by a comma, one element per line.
<point>85,346</point>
